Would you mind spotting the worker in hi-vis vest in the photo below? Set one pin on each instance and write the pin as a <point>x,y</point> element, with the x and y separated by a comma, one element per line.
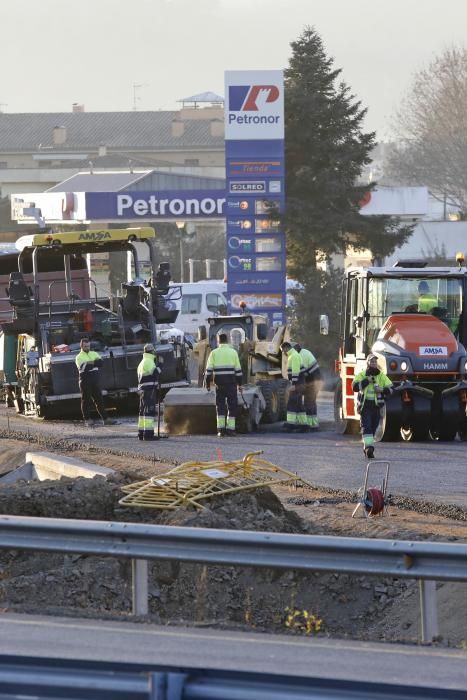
<point>89,363</point>
<point>426,300</point>
<point>373,387</point>
<point>148,388</point>
<point>296,416</point>
<point>312,376</point>
<point>223,368</point>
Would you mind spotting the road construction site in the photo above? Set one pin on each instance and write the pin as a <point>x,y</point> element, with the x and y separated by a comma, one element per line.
<point>427,501</point>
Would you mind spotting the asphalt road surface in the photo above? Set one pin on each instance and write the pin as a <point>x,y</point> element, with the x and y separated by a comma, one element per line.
<point>127,642</point>
<point>430,471</point>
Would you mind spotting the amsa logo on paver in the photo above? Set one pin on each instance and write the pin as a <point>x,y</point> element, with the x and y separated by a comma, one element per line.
<point>433,351</point>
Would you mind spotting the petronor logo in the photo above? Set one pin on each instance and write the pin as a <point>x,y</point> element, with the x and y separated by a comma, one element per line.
<point>251,98</point>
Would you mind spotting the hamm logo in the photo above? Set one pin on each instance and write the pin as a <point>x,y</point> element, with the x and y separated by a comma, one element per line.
<point>433,351</point>
<point>251,98</point>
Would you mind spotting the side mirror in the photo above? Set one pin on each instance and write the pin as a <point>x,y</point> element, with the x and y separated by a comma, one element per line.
<point>202,333</point>
<point>323,324</point>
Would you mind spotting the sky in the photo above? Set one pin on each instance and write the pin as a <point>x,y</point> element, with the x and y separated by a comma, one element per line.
<point>116,55</point>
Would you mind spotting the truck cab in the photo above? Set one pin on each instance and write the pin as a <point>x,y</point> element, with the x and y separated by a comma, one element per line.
<point>412,318</point>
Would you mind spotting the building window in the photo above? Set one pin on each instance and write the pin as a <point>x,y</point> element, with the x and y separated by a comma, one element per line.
<point>194,162</point>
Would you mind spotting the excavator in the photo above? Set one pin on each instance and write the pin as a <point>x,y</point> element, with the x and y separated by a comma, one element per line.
<point>412,317</point>
<point>52,311</point>
<point>265,392</point>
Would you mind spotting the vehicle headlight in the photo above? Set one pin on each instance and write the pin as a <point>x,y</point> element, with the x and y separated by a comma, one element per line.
<point>404,366</point>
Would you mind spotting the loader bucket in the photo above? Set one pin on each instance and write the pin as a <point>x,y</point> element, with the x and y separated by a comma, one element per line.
<point>190,411</point>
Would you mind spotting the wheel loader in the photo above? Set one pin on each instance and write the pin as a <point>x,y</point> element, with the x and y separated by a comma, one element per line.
<point>412,317</point>
<point>41,338</point>
<point>265,391</point>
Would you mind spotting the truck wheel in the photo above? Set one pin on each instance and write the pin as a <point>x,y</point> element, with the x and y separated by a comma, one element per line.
<point>344,426</point>
<point>415,433</point>
<point>271,397</point>
<point>388,429</point>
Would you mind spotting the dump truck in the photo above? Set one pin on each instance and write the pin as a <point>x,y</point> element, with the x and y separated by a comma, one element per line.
<point>41,337</point>
<point>265,391</point>
<point>412,317</point>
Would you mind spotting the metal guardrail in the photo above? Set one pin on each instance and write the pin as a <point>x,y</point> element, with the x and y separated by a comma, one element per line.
<point>44,678</point>
<point>425,561</point>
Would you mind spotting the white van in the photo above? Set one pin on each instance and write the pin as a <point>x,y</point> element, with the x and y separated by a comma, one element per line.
<point>199,301</point>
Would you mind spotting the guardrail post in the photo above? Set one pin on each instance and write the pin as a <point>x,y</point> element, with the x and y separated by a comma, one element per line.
<point>139,586</point>
<point>428,610</point>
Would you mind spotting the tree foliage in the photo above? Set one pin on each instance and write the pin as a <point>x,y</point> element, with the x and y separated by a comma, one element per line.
<point>326,150</point>
<point>320,294</point>
<point>431,130</point>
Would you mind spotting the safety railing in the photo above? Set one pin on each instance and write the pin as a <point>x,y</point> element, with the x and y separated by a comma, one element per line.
<point>43,679</point>
<point>426,561</point>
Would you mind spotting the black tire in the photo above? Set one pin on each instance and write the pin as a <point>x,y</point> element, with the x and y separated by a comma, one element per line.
<point>445,434</point>
<point>388,430</point>
<point>270,392</point>
<point>415,433</point>
<point>344,426</point>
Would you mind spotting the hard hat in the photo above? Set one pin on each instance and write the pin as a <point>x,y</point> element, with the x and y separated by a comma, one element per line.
<point>371,357</point>
<point>423,287</point>
<point>149,347</point>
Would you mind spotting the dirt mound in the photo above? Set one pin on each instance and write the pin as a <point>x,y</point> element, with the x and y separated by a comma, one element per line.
<point>339,605</point>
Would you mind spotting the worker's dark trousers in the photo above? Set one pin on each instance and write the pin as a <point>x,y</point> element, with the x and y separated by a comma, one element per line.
<point>310,395</point>
<point>147,413</point>
<point>226,415</point>
<point>296,416</point>
<point>369,420</point>
<point>91,394</point>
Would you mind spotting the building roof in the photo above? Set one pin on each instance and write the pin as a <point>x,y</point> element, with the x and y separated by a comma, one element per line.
<point>118,130</point>
<point>98,182</point>
<point>153,180</point>
<point>211,97</point>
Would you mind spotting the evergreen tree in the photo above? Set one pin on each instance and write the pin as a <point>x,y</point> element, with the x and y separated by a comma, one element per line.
<point>326,151</point>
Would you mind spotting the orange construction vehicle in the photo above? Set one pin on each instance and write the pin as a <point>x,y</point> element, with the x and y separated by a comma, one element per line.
<point>412,317</point>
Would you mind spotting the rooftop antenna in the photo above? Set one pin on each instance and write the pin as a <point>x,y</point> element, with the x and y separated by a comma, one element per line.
<point>136,98</point>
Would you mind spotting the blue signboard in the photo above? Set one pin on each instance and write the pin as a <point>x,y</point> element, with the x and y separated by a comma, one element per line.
<point>254,131</point>
<point>151,206</point>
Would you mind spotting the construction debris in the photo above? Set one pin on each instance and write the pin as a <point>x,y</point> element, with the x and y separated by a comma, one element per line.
<point>193,482</point>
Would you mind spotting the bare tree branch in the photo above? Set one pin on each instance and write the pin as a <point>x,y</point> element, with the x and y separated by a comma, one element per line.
<point>431,129</point>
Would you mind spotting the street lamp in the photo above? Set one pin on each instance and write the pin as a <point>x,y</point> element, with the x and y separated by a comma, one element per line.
<point>181,230</point>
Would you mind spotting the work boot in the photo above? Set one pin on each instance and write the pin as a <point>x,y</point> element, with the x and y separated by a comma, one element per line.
<point>221,432</point>
<point>288,428</point>
<point>149,438</point>
<point>231,433</point>
<point>303,429</point>
<point>370,452</point>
